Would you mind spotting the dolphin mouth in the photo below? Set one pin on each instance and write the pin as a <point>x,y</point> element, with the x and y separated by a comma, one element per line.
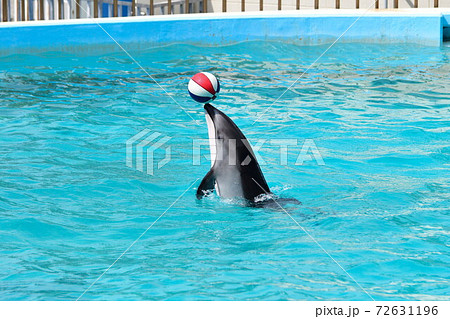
<point>210,110</point>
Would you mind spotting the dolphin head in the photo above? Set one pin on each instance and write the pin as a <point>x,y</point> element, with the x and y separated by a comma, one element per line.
<point>221,130</point>
<point>220,126</point>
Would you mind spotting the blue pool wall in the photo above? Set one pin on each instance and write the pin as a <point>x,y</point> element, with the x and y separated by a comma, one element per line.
<point>424,27</point>
<point>446,25</point>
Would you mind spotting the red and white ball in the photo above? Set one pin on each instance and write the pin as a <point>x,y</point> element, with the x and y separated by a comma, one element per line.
<point>203,87</point>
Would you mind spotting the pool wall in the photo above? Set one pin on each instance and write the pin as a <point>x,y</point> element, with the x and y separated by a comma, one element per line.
<point>313,27</point>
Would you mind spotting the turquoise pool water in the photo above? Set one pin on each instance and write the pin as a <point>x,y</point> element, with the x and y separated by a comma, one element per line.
<point>69,205</point>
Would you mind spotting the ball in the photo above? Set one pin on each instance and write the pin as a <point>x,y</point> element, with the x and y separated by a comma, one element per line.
<point>203,87</point>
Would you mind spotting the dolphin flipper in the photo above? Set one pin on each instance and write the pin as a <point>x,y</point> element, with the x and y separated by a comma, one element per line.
<point>207,184</point>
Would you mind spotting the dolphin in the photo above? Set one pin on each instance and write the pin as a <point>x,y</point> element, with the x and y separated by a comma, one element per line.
<point>235,172</point>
